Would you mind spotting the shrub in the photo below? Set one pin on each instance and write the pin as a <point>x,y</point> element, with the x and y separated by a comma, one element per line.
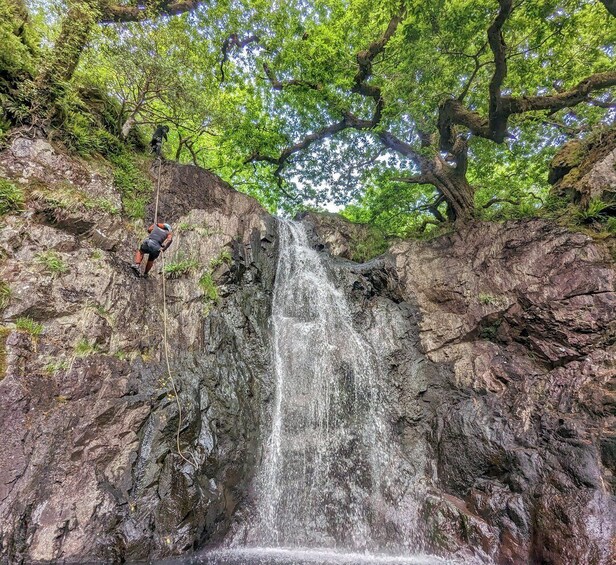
<point>208,286</point>
<point>28,325</point>
<point>368,246</point>
<point>11,197</point>
<point>52,262</point>
<point>177,269</point>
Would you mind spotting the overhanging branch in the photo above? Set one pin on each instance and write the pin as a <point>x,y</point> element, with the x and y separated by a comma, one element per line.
<point>122,13</point>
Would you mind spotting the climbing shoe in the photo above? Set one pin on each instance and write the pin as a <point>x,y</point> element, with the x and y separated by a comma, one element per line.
<point>145,275</point>
<point>135,269</point>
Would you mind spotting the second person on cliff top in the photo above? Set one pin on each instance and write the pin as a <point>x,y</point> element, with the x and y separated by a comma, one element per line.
<point>160,239</point>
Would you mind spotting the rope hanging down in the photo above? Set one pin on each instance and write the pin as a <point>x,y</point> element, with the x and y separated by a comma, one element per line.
<point>165,333</point>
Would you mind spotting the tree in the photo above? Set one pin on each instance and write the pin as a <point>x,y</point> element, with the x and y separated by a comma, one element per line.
<point>76,29</point>
<point>430,83</point>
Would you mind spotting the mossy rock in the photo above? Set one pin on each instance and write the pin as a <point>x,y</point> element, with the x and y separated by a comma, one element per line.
<point>569,156</point>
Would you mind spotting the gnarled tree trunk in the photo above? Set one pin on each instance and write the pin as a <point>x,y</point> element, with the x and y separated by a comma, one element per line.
<point>74,34</point>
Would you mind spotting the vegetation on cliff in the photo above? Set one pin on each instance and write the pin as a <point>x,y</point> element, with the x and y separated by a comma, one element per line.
<point>412,115</point>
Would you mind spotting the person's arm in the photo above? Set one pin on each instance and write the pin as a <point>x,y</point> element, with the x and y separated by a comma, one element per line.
<point>167,242</point>
<point>151,228</point>
<point>165,136</point>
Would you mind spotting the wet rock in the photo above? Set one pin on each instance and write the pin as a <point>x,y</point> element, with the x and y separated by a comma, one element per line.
<point>108,456</point>
<point>496,350</point>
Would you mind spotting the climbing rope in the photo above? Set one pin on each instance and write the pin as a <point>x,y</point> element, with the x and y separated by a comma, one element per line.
<point>165,334</point>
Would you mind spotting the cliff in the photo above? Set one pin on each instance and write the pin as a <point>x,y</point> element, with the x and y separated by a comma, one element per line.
<point>496,346</point>
<point>89,415</point>
<point>510,419</point>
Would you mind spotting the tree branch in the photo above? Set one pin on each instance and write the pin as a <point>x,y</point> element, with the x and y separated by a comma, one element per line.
<point>233,41</point>
<point>565,99</point>
<point>452,112</point>
<point>349,121</point>
<point>279,85</point>
<point>121,13</point>
<point>497,122</point>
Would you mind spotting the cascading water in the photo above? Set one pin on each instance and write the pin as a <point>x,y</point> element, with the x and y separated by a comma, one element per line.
<point>321,482</point>
<point>325,490</point>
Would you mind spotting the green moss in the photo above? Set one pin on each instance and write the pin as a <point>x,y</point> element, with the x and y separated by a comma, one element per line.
<point>11,198</point>
<point>133,184</point>
<point>53,263</point>
<point>203,230</point>
<point>28,325</point>
<point>66,197</point>
<point>134,206</point>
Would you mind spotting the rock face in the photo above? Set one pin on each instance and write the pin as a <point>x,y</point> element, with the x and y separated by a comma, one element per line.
<point>585,170</point>
<point>496,344</point>
<point>98,463</point>
<point>519,433</point>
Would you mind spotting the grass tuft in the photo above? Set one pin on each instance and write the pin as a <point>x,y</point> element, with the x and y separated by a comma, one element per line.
<point>208,286</point>
<point>11,198</point>
<point>53,263</point>
<point>85,348</point>
<point>177,269</point>
<point>54,367</point>
<point>28,325</point>
<point>5,295</point>
<point>224,258</point>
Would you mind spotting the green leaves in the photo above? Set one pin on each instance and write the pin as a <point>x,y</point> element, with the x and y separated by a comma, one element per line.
<point>299,77</point>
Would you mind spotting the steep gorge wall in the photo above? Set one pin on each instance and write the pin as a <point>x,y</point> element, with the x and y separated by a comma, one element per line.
<point>497,347</point>
<point>516,418</point>
<point>88,414</point>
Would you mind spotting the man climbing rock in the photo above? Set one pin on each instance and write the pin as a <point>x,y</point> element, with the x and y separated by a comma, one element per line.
<point>157,139</point>
<point>160,239</point>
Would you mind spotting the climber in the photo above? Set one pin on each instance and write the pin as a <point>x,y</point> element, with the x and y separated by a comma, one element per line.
<point>157,139</point>
<point>159,240</point>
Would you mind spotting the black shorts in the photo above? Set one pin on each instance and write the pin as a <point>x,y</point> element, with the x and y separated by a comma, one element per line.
<point>150,248</point>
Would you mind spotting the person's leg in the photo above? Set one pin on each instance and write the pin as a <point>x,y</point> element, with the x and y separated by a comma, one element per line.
<point>148,266</point>
<point>138,257</point>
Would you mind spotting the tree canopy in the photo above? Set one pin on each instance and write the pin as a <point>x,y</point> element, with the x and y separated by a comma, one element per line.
<point>408,113</point>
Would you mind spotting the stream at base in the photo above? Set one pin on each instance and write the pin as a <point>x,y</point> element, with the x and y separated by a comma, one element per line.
<point>302,556</point>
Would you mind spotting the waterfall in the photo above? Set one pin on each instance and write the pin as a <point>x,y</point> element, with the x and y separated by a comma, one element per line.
<point>320,483</point>
<point>333,486</point>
